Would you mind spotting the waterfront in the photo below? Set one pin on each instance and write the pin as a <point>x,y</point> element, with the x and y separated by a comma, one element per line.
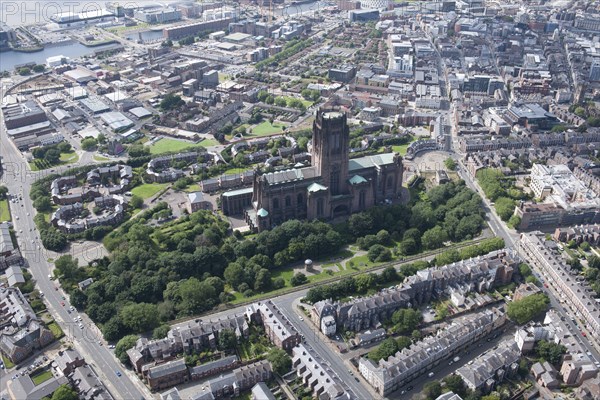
<point>71,49</point>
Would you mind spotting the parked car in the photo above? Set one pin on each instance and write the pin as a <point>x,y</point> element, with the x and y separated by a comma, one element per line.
<point>118,373</point>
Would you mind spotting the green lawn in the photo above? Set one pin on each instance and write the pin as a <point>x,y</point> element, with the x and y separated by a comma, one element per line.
<point>234,171</point>
<point>307,103</point>
<point>7,363</point>
<point>65,158</point>
<point>41,377</point>
<point>148,189</point>
<point>166,145</point>
<point>68,158</point>
<point>4,211</point>
<point>265,128</point>
<point>100,158</point>
<point>55,329</point>
<point>208,143</point>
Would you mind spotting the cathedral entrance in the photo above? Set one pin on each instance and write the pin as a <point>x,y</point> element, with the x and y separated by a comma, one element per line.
<point>341,210</point>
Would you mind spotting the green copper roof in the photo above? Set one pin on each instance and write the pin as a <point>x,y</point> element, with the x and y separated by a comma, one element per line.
<point>262,213</point>
<point>357,179</point>
<point>315,187</point>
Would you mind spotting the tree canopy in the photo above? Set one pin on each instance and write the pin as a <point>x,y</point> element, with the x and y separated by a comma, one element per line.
<point>524,310</point>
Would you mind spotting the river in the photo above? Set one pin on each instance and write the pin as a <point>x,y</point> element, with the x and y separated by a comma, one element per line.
<point>72,49</point>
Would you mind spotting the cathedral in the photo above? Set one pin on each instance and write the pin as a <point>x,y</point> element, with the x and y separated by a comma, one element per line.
<point>333,186</point>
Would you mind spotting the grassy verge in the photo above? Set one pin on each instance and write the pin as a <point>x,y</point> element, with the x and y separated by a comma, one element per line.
<point>148,189</point>
<point>41,377</point>
<point>7,363</point>
<point>100,158</point>
<point>55,329</point>
<point>4,211</point>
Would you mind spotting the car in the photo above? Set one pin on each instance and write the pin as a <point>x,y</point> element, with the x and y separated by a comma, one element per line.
<point>45,358</point>
<point>583,334</point>
<point>28,214</point>
<point>99,343</point>
<point>49,276</point>
<point>72,308</point>
<point>301,319</point>
<point>408,389</point>
<point>80,326</point>
<point>17,217</point>
<point>451,362</point>
<point>456,359</point>
<point>56,288</point>
<point>42,294</point>
<point>430,374</point>
<point>68,311</point>
<point>62,303</point>
<point>356,379</point>
<point>64,298</point>
<point>118,373</point>
<point>112,346</point>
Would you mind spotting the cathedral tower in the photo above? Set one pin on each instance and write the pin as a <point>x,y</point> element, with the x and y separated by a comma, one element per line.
<point>330,148</point>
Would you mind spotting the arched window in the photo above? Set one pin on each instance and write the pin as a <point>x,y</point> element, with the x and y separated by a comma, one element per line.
<point>299,200</point>
<point>275,204</point>
<point>390,182</point>
<point>320,207</point>
<point>288,201</point>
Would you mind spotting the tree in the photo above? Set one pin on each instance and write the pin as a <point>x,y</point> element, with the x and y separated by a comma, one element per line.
<point>450,163</point>
<point>52,156</point>
<point>432,390</point>
<point>227,339</point>
<point>298,279</point>
<point>280,360</point>
<point>280,101</point>
<point>170,102</point>
<point>88,143</point>
<point>42,204</point>
<point>514,221</point>
<point>78,299</point>
<point>524,310</point>
<point>24,71</point>
<point>126,343</point>
<point>3,192</point>
<point>550,351</point>
<point>389,274</point>
<point>64,147</point>
<point>39,68</point>
<point>403,342</point>
<point>434,238</point>
<point>406,320</point>
<point>505,208</point>
<point>593,261</point>
<point>139,317</point>
<point>386,349</point>
<point>455,384</point>
<point>136,201</point>
<point>378,253</point>
<point>585,246</point>
<point>64,392</point>
<point>161,332</point>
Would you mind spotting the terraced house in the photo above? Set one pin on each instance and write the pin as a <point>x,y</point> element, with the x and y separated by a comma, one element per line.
<point>392,373</point>
<point>478,275</point>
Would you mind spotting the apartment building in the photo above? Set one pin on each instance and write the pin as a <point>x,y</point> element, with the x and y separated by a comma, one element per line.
<point>492,367</point>
<point>573,290</point>
<point>474,275</point>
<point>278,328</point>
<point>324,383</point>
<point>580,234</point>
<point>396,371</point>
<point>191,336</point>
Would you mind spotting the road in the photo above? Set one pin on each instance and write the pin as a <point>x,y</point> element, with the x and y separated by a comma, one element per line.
<point>315,340</point>
<point>18,178</point>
